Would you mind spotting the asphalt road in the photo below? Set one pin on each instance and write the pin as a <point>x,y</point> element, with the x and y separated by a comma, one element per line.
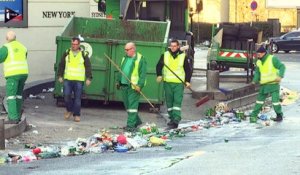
<point>251,149</point>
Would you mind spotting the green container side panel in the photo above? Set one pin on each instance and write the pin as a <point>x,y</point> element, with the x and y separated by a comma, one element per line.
<point>109,37</point>
<point>113,8</point>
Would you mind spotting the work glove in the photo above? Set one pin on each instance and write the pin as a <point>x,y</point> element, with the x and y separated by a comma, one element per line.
<point>278,79</point>
<point>159,79</point>
<point>188,85</point>
<point>60,79</point>
<point>118,86</point>
<point>137,89</point>
<point>88,82</point>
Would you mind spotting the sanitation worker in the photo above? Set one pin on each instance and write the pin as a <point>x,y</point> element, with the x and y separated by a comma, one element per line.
<point>74,69</point>
<point>177,61</point>
<point>134,66</point>
<point>268,73</point>
<point>13,55</point>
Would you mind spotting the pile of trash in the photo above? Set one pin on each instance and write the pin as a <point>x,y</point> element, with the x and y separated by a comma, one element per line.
<point>148,136</point>
<point>222,114</point>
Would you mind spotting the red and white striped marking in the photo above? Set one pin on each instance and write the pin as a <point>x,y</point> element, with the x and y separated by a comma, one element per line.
<point>234,54</point>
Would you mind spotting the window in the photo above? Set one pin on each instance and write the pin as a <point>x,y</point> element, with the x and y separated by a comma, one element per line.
<point>13,13</point>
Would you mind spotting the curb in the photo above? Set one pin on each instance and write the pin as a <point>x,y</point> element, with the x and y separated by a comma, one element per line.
<point>34,88</point>
<point>15,129</point>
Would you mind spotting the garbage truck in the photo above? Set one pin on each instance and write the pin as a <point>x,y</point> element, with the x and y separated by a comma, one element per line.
<point>233,45</point>
<point>176,11</point>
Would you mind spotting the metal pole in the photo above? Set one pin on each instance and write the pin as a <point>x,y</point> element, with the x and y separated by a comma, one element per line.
<point>212,82</point>
<point>198,37</point>
<point>2,134</point>
<point>235,11</point>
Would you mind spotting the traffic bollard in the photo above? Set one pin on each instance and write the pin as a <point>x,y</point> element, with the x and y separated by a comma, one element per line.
<point>2,136</point>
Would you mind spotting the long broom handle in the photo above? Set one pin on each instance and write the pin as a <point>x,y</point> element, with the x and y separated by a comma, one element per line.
<point>117,67</point>
<point>178,77</point>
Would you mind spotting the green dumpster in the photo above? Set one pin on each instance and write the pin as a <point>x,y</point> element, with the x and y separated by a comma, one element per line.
<point>106,36</point>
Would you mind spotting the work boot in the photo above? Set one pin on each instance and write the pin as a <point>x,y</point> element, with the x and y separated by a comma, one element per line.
<point>172,125</point>
<point>130,129</point>
<point>139,122</point>
<point>278,118</point>
<point>76,118</point>
<point>11,121</point>
<point>67,115</point>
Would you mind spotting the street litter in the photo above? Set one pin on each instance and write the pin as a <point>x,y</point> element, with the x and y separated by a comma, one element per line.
<point>36,96</point>
<point>48,90</point>
<point>148,135</point>
<point>288,96</point>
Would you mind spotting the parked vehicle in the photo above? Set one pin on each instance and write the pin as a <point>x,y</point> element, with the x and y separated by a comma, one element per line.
<point>287,42</point>
<point>233,45</point>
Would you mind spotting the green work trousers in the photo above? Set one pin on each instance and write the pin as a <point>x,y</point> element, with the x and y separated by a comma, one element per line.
<point>131,102</point>
<point>14,95</point>
<point>174,96</point>
<point>260,101</point>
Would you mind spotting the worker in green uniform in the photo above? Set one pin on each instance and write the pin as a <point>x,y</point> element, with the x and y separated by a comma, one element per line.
<point>268,73</point>
<point>177,61</point>
<point>13,55</point>
<point>134,66</point>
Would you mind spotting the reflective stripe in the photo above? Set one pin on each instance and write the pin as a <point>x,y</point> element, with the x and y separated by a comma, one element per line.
<point>259,102</point>
<point>19,97</point>
<point>277,103</point>
<point>177,108</point>
<point>11,97</point>
<point>132,110</point>
<point>9,69</point>
<point>170,109</point>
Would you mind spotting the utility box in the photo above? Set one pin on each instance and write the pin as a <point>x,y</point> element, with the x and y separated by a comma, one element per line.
<point>109,36</point>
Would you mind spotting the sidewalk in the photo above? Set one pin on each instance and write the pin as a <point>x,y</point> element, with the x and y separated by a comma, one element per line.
<point>49,127</point>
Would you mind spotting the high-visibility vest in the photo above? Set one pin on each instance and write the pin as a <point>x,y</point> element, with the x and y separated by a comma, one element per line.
<point>176,65</point>
<point>15,62</point>
<point>135,73</point>
<point>75,69</point>
<point>268,73</point>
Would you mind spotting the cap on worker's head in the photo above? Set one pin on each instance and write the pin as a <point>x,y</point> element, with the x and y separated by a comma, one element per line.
<point>261,49</point>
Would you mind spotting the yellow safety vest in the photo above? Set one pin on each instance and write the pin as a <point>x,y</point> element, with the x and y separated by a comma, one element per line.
<point>176,65</point>
<point>135,73</point>
<point>268,73</point>
<point>74,69</point>
<point>15,62</point>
